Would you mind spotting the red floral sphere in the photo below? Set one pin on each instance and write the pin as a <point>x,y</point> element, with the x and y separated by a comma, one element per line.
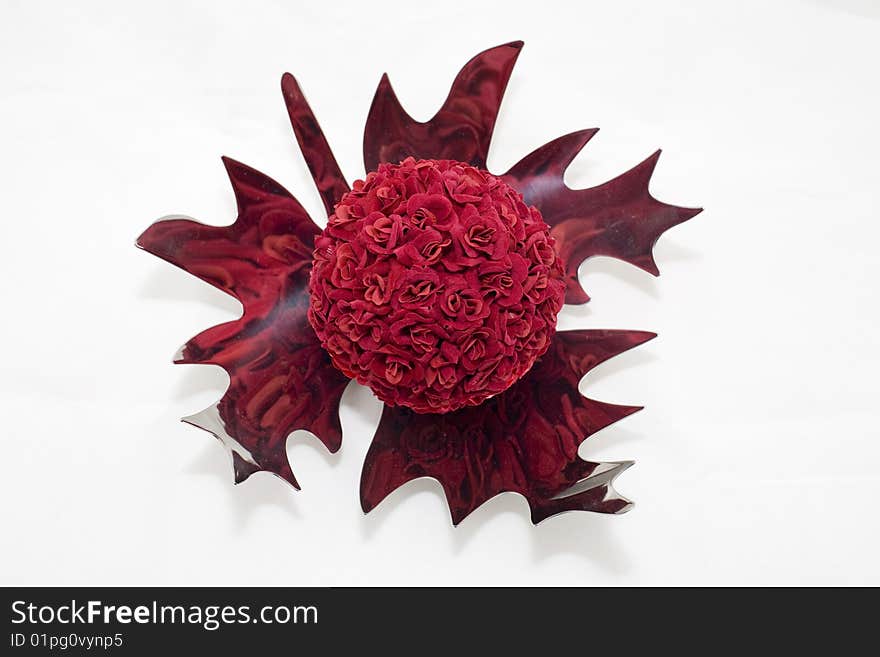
<point>435,285</point>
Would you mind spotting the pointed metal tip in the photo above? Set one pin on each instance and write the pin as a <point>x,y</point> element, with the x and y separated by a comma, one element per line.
<point>589,133</point>
<point>141,241</point>
<point>646,336</point>
<point>650,162</point>
<point>231,163</point>
<point>626,508</point>
<point>242,469</point>
<point>234,169</point>
<point>612,492</point>
<point>290,86</point>
<point>652,268</point>
<point>196,420</point>
<point>178,355</point>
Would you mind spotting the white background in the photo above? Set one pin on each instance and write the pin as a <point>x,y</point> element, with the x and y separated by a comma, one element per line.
<point>758,454</point>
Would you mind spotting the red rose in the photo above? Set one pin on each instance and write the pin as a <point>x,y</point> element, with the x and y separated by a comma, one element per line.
<point>424,247</point>
<point>429,210</point>
<point>503,280</point>
<point>345,266</point>
<point>380,233</point>
<point>541,249</point>
<point>481,235</point>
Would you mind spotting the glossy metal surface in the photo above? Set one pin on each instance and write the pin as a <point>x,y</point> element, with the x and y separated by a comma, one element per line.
<point>461,130</point>
<point>281,379</point>
<point>619,218</point>
<point>322,164</point>
<point>524,440</point>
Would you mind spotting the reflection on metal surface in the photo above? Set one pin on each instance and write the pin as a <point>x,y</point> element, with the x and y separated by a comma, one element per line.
<point>281,379</point>
<point>523,440</point>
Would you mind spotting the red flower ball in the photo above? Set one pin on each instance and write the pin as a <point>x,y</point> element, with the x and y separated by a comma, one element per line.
<point>435,285</point>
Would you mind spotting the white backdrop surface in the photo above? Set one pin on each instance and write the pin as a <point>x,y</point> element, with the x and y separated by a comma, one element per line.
<point>758,453</point>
